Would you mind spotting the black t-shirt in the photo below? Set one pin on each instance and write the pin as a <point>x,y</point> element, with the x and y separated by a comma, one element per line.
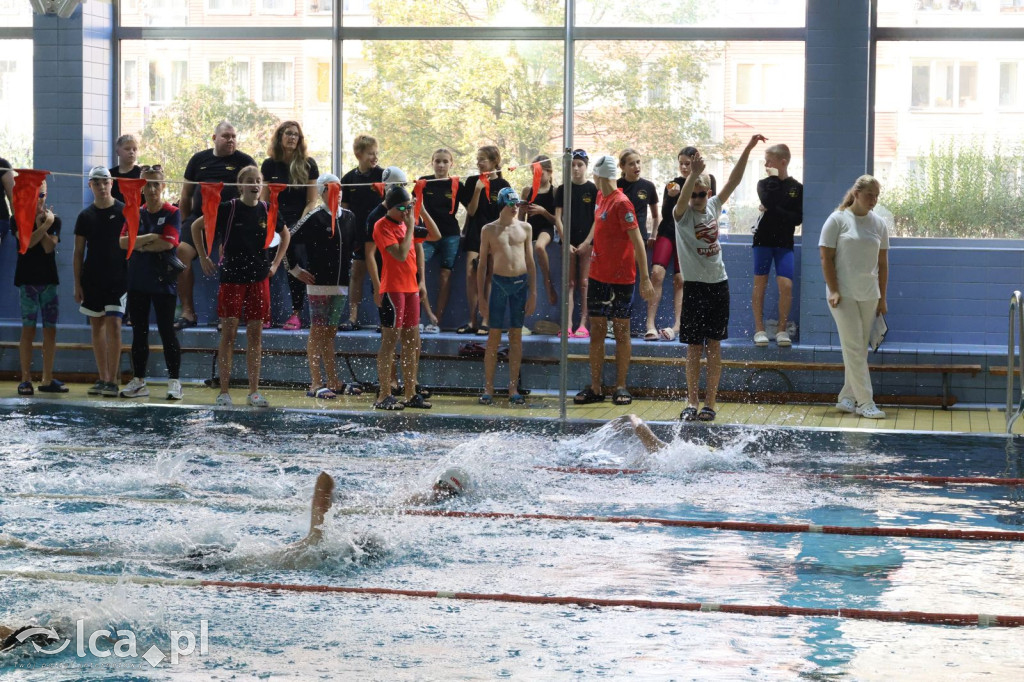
<point>205,166</point>
<point>5,210</point>
<point>246,260</point>
<point>486,211</point>
<point>361,200</point>
<point>143,266</point>
<point>105,263</point>
<point>115,188</point>
<point>583,200</point>
<point>437,200</point>
<point>291,201</point>
<point>642,193</point>
<point>35,267</point>
<point>667,226</point>
<point>545,200</point>
<point>783,201</point>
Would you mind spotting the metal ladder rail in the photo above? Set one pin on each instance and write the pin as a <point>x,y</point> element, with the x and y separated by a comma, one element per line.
<point>1016,310</point>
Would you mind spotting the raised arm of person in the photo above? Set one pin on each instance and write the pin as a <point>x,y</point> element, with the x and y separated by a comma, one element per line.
<point>401,250</point>
<point>697,167</point>
<point>737,172</point>
<point>474,202</point>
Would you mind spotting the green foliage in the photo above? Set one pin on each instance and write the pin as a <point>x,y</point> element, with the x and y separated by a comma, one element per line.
<point>186,126</point>
<point>415,97</point>
<point>959,190</point>
<point>16,146</point>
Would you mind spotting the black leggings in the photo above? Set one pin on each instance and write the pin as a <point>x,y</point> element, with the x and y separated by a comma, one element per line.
<point>297,288</point>
<point>163,304</point>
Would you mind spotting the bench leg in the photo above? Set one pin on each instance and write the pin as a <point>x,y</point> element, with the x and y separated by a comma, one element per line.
<point>945,390</point>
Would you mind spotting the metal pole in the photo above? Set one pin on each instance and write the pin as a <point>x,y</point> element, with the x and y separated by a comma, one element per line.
<point>568,84</point>
<point>336,100</point>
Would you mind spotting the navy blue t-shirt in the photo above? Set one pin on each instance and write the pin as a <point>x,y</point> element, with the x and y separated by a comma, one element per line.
<point>143,266</point>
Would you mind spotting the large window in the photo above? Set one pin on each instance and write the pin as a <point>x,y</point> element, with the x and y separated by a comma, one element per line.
<point>231,13</point>
<point>16,102</point>
<point>949,137</point>
<point>189,86</point>
<point>723,13</point>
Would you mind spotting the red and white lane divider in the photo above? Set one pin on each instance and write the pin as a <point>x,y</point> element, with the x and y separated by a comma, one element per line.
<point>743,526</point>
<point>777,611</point>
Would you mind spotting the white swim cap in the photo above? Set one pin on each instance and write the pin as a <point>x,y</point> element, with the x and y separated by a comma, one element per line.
<point>455,478</point>
<point>605,167</point>
<point>324,180</point>
<point>393,175</point>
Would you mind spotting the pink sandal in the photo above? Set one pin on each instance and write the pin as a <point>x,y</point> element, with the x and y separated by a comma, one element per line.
<point>581,333</point>
<point>293,324</point>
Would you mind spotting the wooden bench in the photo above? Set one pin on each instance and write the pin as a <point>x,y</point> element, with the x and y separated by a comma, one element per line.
<point>781,367</point>
<point>944,401</point>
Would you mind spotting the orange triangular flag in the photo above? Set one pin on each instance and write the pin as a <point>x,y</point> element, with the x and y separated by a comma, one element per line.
<point>211,200</point>
<point>26,195</point>
<point>131,188</point>
<point>275,189</point>
<point>333,197</point>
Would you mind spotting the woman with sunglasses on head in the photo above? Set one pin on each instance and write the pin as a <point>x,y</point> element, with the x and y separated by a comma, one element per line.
<point>152,284</point>
<point>287,163</point>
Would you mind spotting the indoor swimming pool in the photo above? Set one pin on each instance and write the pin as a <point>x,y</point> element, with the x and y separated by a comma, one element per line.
<point>124,498</point>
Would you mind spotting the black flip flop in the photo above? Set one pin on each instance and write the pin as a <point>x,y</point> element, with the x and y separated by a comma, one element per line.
<point>25,388</point>
<point>706,414</point>
<point>689,414</point>
<point>587,396</point>
<point>55,386</point>
<point>622,397</point>
<point>390,403</point>
<point>417,402</point>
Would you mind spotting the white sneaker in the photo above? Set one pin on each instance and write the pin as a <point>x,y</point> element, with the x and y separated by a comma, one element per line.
<point>431,329</point>
<point>783,340</point>
<point>847,405</point>
<point>870,411</point>
<point>256,399</point>
<point>224,400</point>
<point>174,389</point>
<point>136,388</point>
<point>527,332</point>
<point>760,339</point>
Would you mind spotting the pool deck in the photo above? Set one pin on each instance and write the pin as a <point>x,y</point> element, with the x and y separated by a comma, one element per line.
<point>956,420</point>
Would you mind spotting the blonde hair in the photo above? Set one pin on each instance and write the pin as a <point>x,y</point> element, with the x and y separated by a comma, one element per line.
<point>247,171</point>
<point>780,150</point>
<point>125,139</point>
<point>704,180</point>
<point>298,169</point>
<point>443,150</point>
<point>625,154</point>
<point>153,170</point>
<point>859,185</point>
<point>362,143</point>
<point>492,153</point>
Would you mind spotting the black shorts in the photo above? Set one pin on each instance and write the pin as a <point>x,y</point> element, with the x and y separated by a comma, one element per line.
<point>102,300</point>
<point>471,239</point>
<point>548,229</point>
<point>610,300</point>
<point>186,232</point>
<point>705,312</point>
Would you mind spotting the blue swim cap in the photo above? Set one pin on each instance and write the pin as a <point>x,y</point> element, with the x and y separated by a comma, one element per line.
<point>508,197</point>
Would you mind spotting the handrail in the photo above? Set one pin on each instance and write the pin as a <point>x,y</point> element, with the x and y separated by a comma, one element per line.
<point>1016,309</point>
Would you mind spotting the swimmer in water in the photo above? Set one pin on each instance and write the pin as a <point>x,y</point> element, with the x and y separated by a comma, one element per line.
<point>452,482</point>
<point>631,422</point>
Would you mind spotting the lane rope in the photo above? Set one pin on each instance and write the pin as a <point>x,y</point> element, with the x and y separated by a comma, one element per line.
<point>742,526</point>
<point>934,480</point>
<point>776,611</point>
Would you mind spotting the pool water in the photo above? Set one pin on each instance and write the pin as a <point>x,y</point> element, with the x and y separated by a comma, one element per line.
<point>131,491</point>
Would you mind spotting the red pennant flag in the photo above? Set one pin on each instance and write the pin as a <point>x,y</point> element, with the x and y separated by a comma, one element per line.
<point>333,197</point>
<point>275,189</point>
<point>26,195</point>
<point>211,200</point>
<point>455,193</point>
<point>131,188</point>
<point>379,187</point>
<point>537,173</point>
<point>485,180</point>
<point>417,191</point>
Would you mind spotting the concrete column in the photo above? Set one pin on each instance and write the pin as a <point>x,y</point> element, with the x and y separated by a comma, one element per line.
<point>73,81</point>
<point>835,139</point>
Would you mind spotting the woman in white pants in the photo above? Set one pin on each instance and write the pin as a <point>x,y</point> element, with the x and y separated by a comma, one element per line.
<point>854,249</point>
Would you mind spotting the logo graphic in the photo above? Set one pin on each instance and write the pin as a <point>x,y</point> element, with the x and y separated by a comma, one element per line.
<point>707,233</point>
<point>642,195</point>
<point>36,634</point>
<point>629,217</point>
<point>588,198</point>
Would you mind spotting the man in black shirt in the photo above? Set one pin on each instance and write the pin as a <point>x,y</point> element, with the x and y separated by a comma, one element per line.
<point>219,164</point>
<point>101,273</point>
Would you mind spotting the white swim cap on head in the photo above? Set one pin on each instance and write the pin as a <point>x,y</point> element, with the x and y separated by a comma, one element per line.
<point>99,173</point>
<point>605,167</point>
<point>455,478</point>
<point>323,181</point>
<point>393,175</point>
